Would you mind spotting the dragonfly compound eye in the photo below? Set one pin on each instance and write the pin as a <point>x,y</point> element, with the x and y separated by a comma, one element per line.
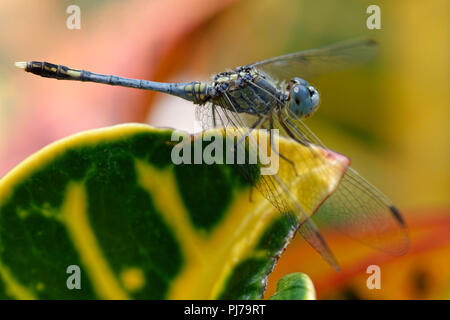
<point>303,100</point>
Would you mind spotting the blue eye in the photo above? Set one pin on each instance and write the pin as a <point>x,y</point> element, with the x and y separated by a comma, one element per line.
<point>303,99</point>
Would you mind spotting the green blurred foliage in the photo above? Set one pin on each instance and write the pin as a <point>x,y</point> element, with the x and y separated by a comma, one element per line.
<point>294,286</point>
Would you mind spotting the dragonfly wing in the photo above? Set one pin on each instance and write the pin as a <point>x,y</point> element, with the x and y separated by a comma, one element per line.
<point>308,231</point>
<point>278,189</point>
<point>311,63</point>
<point>361,211</point>
<point>357,208</point>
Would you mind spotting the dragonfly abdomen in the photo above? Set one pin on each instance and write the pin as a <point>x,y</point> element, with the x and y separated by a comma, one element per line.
<point>196,92</point>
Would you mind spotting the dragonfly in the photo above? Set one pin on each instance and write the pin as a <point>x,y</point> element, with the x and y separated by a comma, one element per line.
<point>270,94</point>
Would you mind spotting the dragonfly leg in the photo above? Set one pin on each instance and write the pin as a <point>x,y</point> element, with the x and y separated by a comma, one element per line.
<point>274,149</point>
<point>250,194</point>
<point>288,131</point>
<point>260,121</point>
<point>289,124</point>
<point>255,125</point>
<point>213,108</point>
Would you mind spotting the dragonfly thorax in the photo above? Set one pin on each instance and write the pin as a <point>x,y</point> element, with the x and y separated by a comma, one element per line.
<point>246,90</point>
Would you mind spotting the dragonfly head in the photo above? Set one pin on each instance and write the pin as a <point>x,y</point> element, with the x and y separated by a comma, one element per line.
<point>303,99</point>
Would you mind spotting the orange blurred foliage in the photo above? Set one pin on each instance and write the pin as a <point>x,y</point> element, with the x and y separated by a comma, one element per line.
<point>422,273</point>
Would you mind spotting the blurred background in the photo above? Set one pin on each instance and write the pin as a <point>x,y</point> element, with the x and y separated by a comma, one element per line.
<point>391,116</point>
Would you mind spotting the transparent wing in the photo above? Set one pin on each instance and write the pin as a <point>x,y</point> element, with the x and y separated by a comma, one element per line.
<point>310,63</point>
<point>211,115</point>
<point>278,189</point>
<point>356,207</point>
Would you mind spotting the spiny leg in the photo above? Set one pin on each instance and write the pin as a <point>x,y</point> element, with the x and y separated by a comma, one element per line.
<point>288,126</point>
<point>241,123</point>
<point>280,103</point>
<point>257,123</point>
<point>260,121</point>
<point>272,146</point>
<point>233,124</point>
<point>288,131</point>
<point>213,108</point>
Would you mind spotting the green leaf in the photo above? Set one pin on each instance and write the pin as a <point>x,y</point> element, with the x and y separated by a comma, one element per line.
<point>112,202</point>
<point>295,286</point>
